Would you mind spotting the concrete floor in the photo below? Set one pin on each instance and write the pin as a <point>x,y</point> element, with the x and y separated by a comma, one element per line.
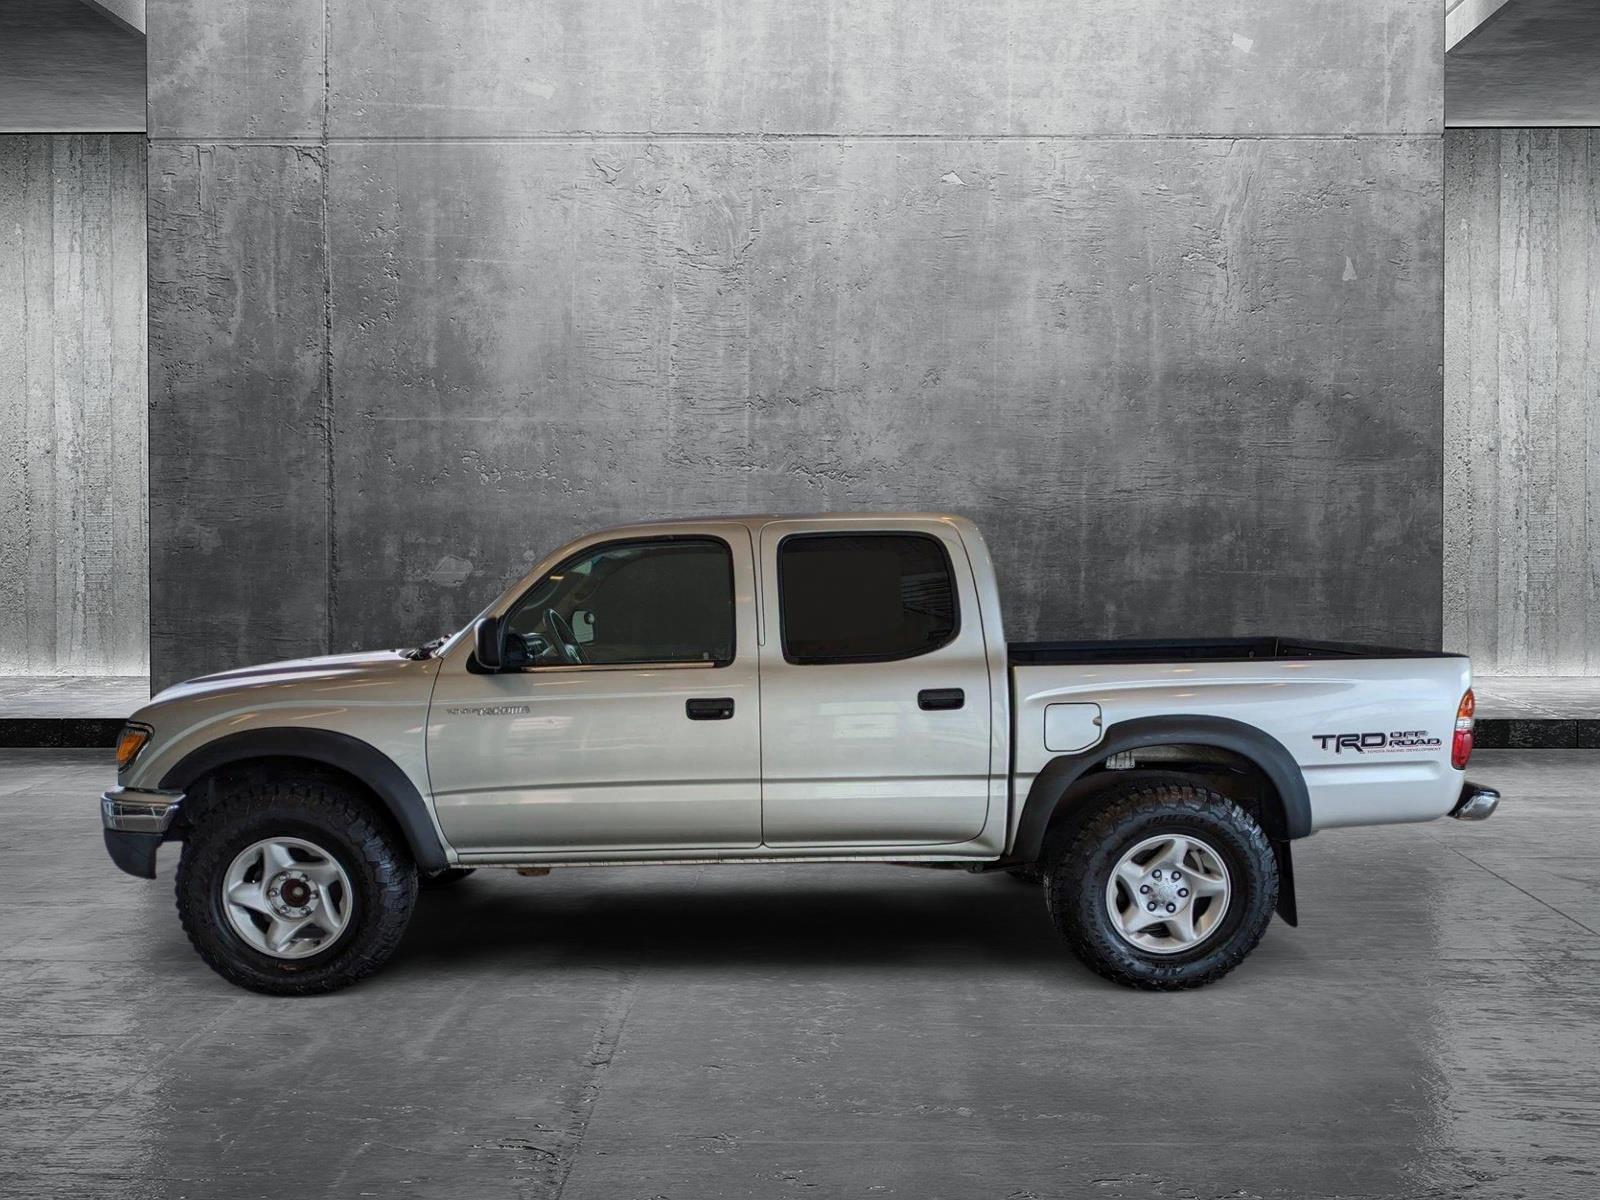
<point>1432,1029</point>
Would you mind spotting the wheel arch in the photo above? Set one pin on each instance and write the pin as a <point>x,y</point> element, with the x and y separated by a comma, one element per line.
<point>1262,772</point>
<point>1067,777</point>
<point>327,754</point>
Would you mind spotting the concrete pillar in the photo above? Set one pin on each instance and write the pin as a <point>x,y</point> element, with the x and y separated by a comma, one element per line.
<point>73,554</point>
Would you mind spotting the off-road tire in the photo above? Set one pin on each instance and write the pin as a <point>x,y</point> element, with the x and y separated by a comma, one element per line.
<point>1031,875</point>
<point>1079,869</point>
<point>382,875</point>
<point>445,877</point>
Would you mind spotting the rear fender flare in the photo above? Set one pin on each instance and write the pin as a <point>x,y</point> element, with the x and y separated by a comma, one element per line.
<point>1051,786</point>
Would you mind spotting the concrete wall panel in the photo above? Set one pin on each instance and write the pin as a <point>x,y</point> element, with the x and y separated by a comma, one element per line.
<point>244,70</point>
<point>1096,67</point>
<point>237,406</point>
<point>1522,354</point>
<point>73,552</point>
<point>1107,352</point>
<point>1095,273</point>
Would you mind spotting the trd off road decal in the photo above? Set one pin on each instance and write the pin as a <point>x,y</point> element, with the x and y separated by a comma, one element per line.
<point>1378,743</point>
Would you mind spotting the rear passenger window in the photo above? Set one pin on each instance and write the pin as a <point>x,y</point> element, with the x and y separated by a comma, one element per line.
<point>864,597</point>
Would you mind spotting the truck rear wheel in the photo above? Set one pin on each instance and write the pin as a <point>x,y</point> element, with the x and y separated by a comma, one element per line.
<point>294,887</point>
<point>1168,886</point>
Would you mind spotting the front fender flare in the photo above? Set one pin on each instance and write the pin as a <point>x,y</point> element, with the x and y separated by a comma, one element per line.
<point>351,755</point>
<point>1051,785</point>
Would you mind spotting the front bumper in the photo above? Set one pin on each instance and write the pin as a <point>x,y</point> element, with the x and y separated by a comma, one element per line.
<point>136,823</point>
<point>1477,803</point>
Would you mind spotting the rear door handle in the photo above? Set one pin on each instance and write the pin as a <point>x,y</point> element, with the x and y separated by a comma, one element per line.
<point>936,698</point>
<point>718,709</point>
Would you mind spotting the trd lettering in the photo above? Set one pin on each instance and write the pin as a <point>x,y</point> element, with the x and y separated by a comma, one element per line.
<point>1362,743</point>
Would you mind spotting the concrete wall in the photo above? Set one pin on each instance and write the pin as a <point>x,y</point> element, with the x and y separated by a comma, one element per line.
<point>1522,394</point>
<point>1152,291</point>
<point>73,554</point>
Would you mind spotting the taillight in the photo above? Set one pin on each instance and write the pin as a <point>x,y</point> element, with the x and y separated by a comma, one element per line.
<point>1461,747</point>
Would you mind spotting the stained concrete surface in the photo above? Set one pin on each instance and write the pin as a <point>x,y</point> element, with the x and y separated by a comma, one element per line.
<point>67,68</point>
<point>1065,341</point>
<point>1429,1031</point>
<point>302,69</point>
<point>1151,291</point>
<point>846,329</point>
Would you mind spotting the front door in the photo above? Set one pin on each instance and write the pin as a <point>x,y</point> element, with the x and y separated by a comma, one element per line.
<point>635,726</point>
<point>874,687</point>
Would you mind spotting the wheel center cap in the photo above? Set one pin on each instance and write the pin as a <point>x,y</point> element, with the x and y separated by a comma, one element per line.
<point>1165,890</point>
<point>291,894</point>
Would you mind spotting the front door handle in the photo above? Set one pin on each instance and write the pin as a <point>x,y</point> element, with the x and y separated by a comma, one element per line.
<point>936,698</point>
<point>719,709</point>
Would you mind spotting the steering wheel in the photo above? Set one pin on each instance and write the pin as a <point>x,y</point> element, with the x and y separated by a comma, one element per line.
<point>568,641</point>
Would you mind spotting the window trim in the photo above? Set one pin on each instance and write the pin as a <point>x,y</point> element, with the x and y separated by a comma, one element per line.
<point>666,664</point>
<point>950,570</point>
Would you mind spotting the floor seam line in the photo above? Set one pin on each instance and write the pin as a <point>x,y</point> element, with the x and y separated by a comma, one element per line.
<point>601,1053</point>
<point>1518,887</point>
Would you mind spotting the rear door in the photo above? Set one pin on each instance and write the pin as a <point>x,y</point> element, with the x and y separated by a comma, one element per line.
<point>874,686</point>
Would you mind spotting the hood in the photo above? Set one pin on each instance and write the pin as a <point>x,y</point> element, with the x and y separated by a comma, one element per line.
<point>296,671</point>
<point>380,698</point>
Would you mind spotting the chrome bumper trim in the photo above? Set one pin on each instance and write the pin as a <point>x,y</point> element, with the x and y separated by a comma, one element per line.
<point>1477,803</point>
<point>133,811</point>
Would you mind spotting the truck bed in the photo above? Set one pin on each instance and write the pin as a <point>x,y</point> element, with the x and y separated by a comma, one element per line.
<point>1200,650</point>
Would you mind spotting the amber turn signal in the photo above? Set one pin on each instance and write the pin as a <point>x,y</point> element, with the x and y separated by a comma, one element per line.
<point>129,742</point>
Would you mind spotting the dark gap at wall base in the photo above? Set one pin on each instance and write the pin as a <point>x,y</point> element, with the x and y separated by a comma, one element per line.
<point>95,733</point>
<point>1532,734</point>
<point>59,732</point>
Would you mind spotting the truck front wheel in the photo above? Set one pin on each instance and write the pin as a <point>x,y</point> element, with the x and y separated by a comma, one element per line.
<point>294,887</point>
<point>1168,886</point>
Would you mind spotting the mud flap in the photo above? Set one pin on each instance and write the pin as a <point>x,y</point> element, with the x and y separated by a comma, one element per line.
<point>1286,906</point>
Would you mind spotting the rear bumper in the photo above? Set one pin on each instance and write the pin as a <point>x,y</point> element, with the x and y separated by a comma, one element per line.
<point>1477,803</point>
<point>136,823</point>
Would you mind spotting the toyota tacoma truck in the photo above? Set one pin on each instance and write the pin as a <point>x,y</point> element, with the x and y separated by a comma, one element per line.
<point>779,689</point>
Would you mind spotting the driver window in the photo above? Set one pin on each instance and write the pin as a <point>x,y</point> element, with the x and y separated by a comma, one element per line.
<point>668,601</point>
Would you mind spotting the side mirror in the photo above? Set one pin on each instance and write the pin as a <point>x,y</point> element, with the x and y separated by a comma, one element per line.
<point>486,642</point>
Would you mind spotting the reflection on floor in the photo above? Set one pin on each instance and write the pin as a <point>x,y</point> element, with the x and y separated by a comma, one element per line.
<point>106,696</point>
<point>1428,1031</point>
<point>1510,698</point>
<point>1538,713</point>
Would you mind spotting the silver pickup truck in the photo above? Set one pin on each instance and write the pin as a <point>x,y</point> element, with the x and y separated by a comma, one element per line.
<point>779,689</point>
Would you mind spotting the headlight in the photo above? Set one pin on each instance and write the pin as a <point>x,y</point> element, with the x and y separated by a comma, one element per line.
<point>130,741</point>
